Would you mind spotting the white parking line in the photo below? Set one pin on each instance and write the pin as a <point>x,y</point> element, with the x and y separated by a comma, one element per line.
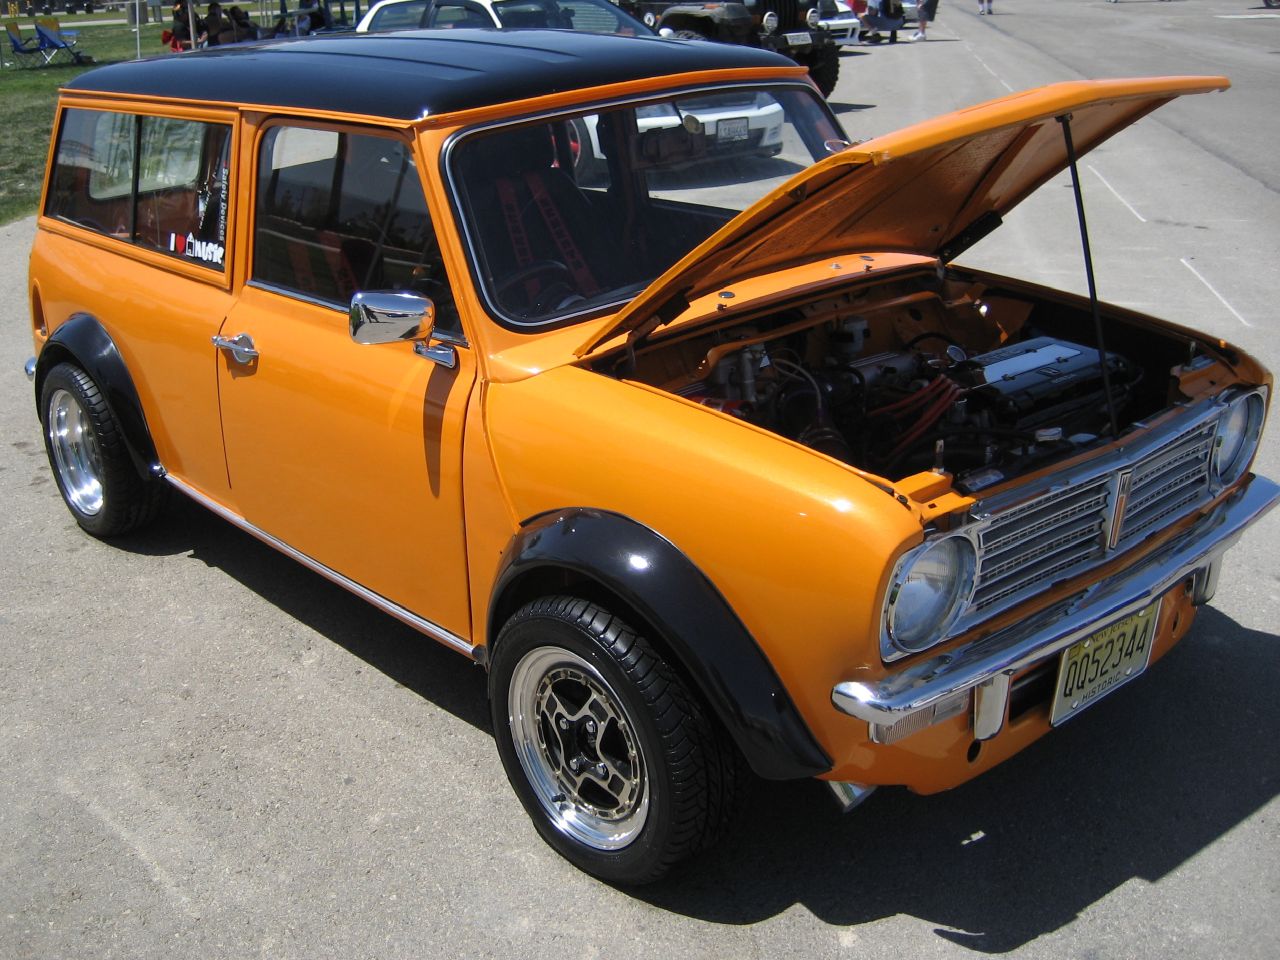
<point>1116,192</point>
<point>1199,276</point>
<point>996,75</point>
<point>988,69</point>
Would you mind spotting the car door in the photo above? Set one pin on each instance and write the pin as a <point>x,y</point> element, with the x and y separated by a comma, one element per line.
<point>348,453</point>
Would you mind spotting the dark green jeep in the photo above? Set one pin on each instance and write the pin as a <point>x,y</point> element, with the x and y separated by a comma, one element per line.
<point>789,27</point>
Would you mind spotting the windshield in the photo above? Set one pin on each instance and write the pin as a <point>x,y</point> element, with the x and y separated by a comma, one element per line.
<point>590,16</point>
<point>570,215</point>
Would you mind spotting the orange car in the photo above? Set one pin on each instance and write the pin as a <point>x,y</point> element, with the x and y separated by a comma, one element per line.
<point>714,459</point>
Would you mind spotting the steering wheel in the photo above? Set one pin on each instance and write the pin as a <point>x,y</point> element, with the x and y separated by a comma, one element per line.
<point>534,270</point>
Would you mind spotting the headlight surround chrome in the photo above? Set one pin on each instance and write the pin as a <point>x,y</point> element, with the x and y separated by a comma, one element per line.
<point>769,22</point>
<point>930,588</point>
<point>813,18</point>
<point>1236,439</point>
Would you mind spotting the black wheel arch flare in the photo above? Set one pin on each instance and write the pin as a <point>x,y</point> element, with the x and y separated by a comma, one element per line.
<point>692,620</point>
<point>84,341</point>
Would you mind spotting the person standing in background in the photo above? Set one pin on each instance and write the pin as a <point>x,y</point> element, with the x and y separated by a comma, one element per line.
<point>984,6</point>
<point>925,12</point>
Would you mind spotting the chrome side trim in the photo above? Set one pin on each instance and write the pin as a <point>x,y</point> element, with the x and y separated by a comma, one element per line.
<point>988,663</point>
<point>432,630</point>
<point>29,368</point>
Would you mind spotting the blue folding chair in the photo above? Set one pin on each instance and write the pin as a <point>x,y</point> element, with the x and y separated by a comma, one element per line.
<point>55,42</point>
<point>24,54</point>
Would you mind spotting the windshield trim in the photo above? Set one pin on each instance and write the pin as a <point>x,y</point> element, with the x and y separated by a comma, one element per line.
<point>465,229</point>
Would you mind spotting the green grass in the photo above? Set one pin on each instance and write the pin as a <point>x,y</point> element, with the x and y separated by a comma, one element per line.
<point>28,95</point>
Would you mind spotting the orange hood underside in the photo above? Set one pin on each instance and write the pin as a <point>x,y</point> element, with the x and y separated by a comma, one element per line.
<point>932,188</point>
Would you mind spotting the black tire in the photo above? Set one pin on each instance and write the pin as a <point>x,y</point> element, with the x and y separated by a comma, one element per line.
<point>1272,3</point>
<point>690,35</point>
<point>575,692</point>
<point>89,459</point>
<point>824,69</point>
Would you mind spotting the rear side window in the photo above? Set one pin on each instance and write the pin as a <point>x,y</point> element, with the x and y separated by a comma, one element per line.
<point>158,182</point>
<point>341,212</point>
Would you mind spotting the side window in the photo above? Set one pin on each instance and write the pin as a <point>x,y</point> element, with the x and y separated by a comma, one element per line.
<point>182,189</point>
<point>398,16</point>
<point>342,212</point>
<point>158,182</point>
<point>92,180</point>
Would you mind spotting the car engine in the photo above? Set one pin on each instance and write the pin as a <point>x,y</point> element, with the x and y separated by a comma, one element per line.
<point>983,417</point>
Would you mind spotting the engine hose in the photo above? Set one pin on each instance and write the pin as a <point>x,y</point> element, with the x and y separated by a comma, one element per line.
<point>900,407</point>
<point>926,421</point>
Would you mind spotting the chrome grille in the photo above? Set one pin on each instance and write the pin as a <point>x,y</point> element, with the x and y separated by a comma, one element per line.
<point>1040,540</point>
<point>1030,545</point>
<point>1168,483</point>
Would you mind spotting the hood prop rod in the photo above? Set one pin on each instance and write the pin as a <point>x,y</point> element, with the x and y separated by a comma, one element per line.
<point>1065,120</point>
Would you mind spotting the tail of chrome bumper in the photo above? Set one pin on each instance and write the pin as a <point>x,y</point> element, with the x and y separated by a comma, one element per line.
<point>29,368</point>
<point>986,666</point>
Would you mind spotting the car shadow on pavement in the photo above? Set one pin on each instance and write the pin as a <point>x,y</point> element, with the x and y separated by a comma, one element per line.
<point>1130,790</point>
<point>433,672</point>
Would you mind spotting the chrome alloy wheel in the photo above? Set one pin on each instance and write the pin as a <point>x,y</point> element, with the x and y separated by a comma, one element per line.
<point>578,748</point>
<point>75,452</point>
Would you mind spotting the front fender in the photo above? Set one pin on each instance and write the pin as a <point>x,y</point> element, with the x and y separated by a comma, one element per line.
<point>693,620</point>
<point>83,340</point>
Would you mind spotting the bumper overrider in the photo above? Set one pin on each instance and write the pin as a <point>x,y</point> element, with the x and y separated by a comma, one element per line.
<point>927,691</point>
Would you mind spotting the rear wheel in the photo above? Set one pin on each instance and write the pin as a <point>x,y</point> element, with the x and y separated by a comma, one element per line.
<point>618,765</point>
<point>90,462</point>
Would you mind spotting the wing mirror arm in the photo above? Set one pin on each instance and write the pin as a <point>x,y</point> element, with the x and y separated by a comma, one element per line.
<point>388,316</point>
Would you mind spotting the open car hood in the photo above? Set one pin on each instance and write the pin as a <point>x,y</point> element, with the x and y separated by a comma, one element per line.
<point>934,188</point>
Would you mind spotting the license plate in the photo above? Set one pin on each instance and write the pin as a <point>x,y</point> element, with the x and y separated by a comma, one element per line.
<point>729,130</point>
<point>1100,663</point>
<point>797,39</point>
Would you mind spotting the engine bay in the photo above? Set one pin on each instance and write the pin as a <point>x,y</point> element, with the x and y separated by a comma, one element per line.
<point>924,373</point>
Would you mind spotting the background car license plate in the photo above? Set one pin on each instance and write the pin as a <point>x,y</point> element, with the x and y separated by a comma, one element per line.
<point>1100,663</point>
<point>730,130</point>
<point>797,39</point>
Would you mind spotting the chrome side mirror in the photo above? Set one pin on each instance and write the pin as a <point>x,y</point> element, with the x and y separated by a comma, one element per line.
<point>381,316</point>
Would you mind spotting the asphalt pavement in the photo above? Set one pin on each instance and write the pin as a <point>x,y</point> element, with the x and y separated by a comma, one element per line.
<point>210,752</point>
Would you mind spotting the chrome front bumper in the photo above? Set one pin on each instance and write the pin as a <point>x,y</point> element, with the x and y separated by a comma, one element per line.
<point>987,666</point>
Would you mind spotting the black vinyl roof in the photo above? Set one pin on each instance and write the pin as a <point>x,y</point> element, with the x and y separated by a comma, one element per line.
<point>407,75</point>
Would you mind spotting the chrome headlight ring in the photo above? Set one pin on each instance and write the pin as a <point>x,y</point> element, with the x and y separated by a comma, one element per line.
<point>931,587</point>
<point>1237,435</point>
<point>813,18</point>
<point>769,22</point>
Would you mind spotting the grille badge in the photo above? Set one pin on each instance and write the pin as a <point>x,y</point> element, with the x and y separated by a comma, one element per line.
<point>1123,484</point>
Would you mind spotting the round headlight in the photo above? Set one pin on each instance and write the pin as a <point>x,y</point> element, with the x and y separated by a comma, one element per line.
<point>769,22</point>
<point>928,591</point>
<point>813,18</point>
<point>1236,438</point>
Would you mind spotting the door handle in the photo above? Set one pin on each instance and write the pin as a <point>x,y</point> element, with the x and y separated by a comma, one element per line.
<point>241,347</point>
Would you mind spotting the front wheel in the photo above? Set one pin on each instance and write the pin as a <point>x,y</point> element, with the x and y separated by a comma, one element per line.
<point>619,766</point>
<point>1272,3</point>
